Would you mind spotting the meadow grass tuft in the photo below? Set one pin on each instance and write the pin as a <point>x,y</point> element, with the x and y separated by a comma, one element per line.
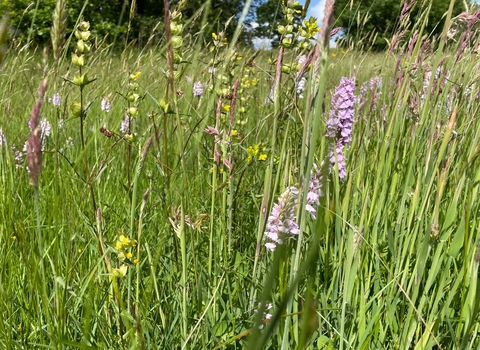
<point>199,195</point>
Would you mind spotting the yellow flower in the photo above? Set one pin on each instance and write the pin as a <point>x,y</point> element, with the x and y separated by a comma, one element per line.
<point>334,55</point>
<point>234,132</point>
<point>124,240</point>
<point>79,250</point>
<point>129,255</point>
<point>120,272</point>
<point>262,157</point>
<point>135,76</point>
<point>226,108</point>
<point>135,261</point>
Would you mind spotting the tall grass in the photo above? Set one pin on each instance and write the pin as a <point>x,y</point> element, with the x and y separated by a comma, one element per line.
<point>151,227</point>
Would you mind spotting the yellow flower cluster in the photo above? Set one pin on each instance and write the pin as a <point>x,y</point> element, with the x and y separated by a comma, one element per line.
<point>256,152</point>
<point>245,82</point>
<point>123,245</point>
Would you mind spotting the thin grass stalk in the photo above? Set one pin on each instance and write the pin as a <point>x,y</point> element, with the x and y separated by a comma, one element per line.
<point>268,174</point>
<point>231,187</point>
<point>123,322</point>
<point>184,200</point>
<point>183,281</point>
<point>58,30</point>
<point>137,312</point>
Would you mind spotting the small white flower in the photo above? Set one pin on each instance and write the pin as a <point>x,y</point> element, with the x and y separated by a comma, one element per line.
<point>197,89</point>
<point>105,105</point>
<point>124,125</point>
<point>3,140</point>
<point>56,99</point>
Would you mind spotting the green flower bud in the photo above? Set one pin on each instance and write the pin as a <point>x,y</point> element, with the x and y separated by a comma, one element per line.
<point>281,29</point>
<point>305,45</point>
<point>131,137</point>
<point>132,86</point>
<point>133,111</point>
<point>85,35</point>
<point>80,46</point>
<point>177,41</point>
<point>80,80</point>
<point>177,59</point>
<point>76,109</point>
<point>289,29</point>
<point>84,25</point>
<point>164,106</point>
<point>176,28</point>
<point>132,97</point>
<point>79,61</point>
<point>175,15</point>
<point>286,68</point>
<point>286,42</point>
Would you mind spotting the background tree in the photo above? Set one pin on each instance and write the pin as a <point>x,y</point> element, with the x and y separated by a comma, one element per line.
<point>361,18</point>
<point>268,16</point>
<point>109,18</point>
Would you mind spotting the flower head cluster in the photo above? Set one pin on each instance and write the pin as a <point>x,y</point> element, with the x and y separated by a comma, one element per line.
<point>56,100</point>
<point>124,127</point>
<point>82,33</point>
<point>3,140</point>
<point>439,79</point>
<point>314,191</point>
<point>301,81</point>
<point>256,152</point>
<point>282,222</point>
<point>339,126</point>
<point>19,161</point>
<point>105,104</point>
<point>46,130</point>
<point>267,316</point>
<point>123,246</point>
<point>374,85</point>
<point>197,89</point>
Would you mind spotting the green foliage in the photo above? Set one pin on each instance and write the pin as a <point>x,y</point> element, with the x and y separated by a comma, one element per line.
<point>147,227</point>
<point>110,18</point>
<point>368,17</point>
<point>268,16</point>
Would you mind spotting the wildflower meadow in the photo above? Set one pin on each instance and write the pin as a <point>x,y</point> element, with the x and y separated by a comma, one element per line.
<point>193,193</point>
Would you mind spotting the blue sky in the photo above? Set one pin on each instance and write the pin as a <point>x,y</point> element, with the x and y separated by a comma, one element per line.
<point>315,9</point>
